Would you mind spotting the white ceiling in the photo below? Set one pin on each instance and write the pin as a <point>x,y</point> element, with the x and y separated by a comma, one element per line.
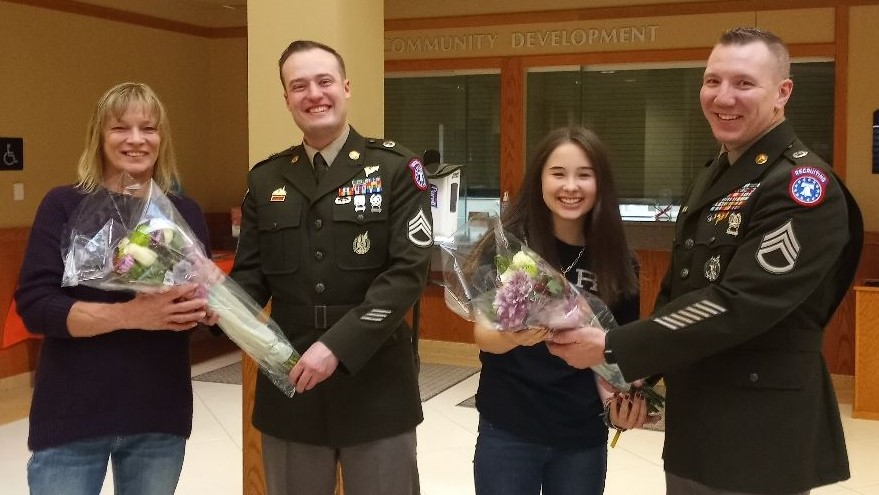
<point>202,13</point>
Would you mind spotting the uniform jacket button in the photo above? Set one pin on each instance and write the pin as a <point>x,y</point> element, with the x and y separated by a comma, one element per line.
<point>753,377</point>
<point>685,272</point>
<point>274,225</point>
<point>319,255</point>
<point>360,218</point>
<point>319,288</point>
<point>689,243</point>
<point>318,223</point>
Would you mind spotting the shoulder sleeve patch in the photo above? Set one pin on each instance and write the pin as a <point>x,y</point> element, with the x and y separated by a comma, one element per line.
<point>416,169</point>
<point>808,186</point>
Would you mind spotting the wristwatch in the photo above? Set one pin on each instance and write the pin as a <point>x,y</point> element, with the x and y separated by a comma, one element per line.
<point>608,353</point>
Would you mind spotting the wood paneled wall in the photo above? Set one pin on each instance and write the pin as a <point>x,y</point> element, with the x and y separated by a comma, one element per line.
<point>20,358</point>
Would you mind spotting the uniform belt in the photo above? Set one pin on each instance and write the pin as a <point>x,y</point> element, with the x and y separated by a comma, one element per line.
<point>317,316</point>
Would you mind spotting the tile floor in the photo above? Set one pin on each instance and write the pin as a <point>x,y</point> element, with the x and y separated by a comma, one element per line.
<point>445,448</point>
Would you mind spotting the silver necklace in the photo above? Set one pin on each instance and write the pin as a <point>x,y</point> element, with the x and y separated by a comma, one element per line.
<point>579,255</point>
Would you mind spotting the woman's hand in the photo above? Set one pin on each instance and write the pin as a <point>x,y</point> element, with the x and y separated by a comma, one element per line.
<point>172,308</point>
<point>629,411</point>
<point>177,308</point>
<point>528,336</point>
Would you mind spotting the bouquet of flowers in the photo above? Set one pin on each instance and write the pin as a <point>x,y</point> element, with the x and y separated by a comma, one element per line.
<point>501,283</point>
<point>138,241</point>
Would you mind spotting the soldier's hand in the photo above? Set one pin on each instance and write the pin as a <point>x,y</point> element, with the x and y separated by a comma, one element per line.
<point>580,348</point>
<point>315,366</point>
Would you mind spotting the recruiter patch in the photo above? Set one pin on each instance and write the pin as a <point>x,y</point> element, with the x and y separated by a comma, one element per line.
<point>418,176</point>
<point>808,186</point>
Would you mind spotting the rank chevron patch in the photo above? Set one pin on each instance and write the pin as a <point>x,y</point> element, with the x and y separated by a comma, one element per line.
<point>779,249</point>
<point>420,230</point>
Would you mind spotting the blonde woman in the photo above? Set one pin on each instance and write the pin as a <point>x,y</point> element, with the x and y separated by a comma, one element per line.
<point>112,382</point>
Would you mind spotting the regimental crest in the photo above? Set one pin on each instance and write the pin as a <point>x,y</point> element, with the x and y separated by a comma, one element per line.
<point>418,175</point>
<point>779,250</point>
<point>279,194</point>
<point>808,186</point>
<point>420,230</point>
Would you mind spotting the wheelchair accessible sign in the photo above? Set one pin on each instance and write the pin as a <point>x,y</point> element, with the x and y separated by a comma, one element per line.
<point>12,151</point>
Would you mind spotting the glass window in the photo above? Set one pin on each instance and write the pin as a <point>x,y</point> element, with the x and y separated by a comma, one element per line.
<point>652,122</point>
<point>457,115</point>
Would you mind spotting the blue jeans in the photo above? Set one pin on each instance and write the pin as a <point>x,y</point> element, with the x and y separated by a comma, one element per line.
<point>505,464</point>
<point>146,464</point>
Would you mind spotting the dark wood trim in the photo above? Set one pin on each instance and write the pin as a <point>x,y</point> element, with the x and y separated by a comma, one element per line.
<point>623,12</point>
<point>840,87</point>
<point>512,151</point>
<point>423,65</point>
<point>829,50</point>
<point>79,8</point>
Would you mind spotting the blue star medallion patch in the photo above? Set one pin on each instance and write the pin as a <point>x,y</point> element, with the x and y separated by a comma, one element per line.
<point>808,186</point>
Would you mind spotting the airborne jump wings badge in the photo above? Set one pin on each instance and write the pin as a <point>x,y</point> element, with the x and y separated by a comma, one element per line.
<point>779,250</point>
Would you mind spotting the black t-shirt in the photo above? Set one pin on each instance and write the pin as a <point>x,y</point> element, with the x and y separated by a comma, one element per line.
<point>536,395</point>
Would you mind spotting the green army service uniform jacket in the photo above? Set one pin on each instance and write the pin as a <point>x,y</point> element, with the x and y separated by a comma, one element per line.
<point>342,262</point>
<point>761,260</point>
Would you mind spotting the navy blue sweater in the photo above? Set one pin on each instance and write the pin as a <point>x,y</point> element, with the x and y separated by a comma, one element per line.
<point>537,396</point>
<point>120,383</point>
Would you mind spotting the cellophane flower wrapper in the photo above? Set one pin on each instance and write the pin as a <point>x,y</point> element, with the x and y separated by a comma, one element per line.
<point>138,241</point>
<point>517,289</point>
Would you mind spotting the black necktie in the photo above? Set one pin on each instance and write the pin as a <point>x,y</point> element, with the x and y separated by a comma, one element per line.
<point>320,167</point>
<point>721,166</point>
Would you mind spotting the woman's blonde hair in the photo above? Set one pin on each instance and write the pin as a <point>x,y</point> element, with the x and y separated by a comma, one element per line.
<point>115,102</point>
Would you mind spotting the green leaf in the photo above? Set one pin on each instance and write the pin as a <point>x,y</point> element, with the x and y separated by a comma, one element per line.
<point>554,286</point>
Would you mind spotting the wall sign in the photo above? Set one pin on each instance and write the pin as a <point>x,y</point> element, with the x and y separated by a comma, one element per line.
<point>12,151</point>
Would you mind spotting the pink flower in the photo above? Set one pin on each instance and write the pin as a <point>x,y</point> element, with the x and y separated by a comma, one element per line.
<point>124,263</point>
<point>511,301</point>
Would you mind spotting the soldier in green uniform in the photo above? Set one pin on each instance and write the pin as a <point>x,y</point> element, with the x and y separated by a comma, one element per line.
<point>764,252</point>
<point>337,232</point>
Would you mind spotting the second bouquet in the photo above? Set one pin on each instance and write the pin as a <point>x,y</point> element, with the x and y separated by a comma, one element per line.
<point>498,281</point>
<point>138,241</point>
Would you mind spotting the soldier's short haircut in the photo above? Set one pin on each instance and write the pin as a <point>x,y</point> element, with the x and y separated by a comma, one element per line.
<point>305,45</point>
<point>746,35</point>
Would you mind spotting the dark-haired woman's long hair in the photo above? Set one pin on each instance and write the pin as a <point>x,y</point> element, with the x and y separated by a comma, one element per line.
<point>611,259</point>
